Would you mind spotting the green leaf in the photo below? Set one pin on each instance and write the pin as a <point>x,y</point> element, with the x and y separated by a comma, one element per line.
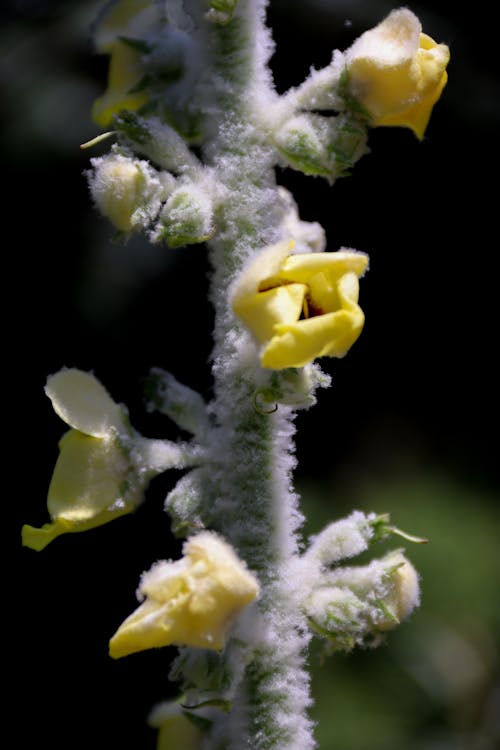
<point>132,126</point>
<point>216,702</point>
<point>141,85</point>
<point>200,722</point>
<point>349,100</point>
<point>140,45</point>
<point>221,11</point>
<point>303,155</point>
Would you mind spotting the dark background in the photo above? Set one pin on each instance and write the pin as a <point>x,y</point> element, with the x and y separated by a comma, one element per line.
<point>409,426</point>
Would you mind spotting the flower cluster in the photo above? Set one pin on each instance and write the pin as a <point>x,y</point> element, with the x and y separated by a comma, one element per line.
<point>355,605</point>
<point>175,81</point>
<point>392,75</point>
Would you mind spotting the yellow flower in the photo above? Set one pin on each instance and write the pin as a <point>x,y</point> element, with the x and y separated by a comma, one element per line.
<point>397,73</point>
<point>131,19</point>
<point>301,306</point>
<point>125,72</point>
<point>93,480</point>
<point>191,601</point>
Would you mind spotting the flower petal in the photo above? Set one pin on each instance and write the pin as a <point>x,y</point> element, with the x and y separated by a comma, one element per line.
<point>90,477</point>
<point>92,484</point>
<point>390,44</point>
<point>322,272</point>
<point>302,267</point>
<point>432,59</point>
<point>263,265</point>
<point>417,115</point>
<point>125,72</point>
<point>263,310</point>
<point>331,334</point>
<point>39,538</point>
<point>83,402</point>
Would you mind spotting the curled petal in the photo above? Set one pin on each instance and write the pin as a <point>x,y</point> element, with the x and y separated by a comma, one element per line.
<point>264,310</point>
<point>83,403</point>
<point>322,273</point>
<point>331,334</point>
<point>301,267</point>
<point>263,266</point>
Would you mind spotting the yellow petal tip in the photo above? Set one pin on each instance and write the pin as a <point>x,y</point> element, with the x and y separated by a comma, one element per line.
<point>38,538</point>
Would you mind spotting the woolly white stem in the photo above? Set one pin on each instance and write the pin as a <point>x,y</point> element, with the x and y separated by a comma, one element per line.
<point>252,454</point>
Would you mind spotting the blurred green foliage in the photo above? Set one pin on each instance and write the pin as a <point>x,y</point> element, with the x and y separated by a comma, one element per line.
<point>434,684</point>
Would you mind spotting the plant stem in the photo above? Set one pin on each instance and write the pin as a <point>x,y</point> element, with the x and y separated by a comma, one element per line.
<point>253,502</point>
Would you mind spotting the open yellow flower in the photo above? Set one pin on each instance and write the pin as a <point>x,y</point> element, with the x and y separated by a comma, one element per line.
<point>129,19</point>
<point>397,73</point>
<point>104,465</point>
<point>191,602</point>
<point>93,481</point>
<point>301,306</point>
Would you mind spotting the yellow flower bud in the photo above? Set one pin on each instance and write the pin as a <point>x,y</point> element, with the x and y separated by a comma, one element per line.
<point>192,601</point>
<point>397,73</point>
<point>404,592</point>
<point>125,190</point>
<point>301,306</point>
<point>118,199</point>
